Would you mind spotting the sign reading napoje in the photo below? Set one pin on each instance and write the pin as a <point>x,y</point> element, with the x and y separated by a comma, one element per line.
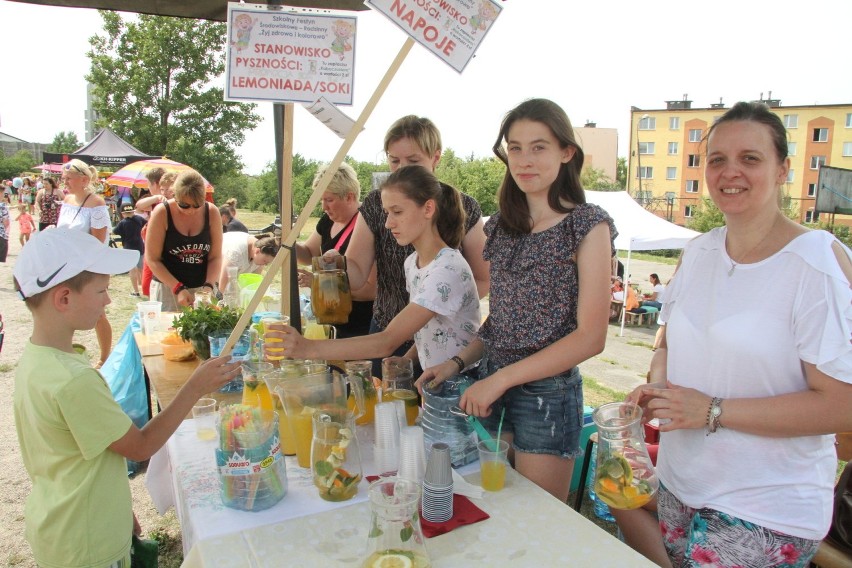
<point>289,55</point>
<point>451,29</point>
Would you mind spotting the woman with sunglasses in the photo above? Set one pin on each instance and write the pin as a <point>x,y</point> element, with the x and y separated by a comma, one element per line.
<point>184,244</point>
<point>85,210</point>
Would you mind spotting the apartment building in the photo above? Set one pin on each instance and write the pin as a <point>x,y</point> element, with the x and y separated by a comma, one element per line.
<point>666,163</point>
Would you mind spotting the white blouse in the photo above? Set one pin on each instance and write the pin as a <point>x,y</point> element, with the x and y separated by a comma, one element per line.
<point>84,218</point>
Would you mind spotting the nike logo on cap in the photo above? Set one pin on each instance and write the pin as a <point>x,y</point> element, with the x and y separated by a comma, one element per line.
<point>42,283</point>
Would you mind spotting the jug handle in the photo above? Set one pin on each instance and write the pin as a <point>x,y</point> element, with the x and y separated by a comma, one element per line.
<point>357,387</point>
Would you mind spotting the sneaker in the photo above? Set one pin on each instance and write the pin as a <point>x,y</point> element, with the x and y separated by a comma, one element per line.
<point>135,294</point>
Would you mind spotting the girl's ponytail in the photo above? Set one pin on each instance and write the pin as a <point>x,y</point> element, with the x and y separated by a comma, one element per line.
<point>421,185</point>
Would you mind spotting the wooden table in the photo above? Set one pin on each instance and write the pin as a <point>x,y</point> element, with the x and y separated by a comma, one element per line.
<point>165,378</point>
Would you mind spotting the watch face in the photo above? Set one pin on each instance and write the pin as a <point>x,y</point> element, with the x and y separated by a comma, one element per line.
<point>717,410</point>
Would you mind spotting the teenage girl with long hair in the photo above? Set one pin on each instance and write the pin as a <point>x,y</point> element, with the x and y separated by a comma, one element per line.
<point>549,253</point>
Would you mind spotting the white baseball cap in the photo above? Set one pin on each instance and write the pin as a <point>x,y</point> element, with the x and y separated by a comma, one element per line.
<point>58,254</point>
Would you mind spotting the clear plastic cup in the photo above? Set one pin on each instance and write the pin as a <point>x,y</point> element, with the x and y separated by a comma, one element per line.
<point>204,416</point>
<point>493,463</point>
<point>412,454</point>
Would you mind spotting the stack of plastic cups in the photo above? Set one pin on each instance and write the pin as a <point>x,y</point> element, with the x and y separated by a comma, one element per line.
<point>400,413</point>
<point>412,454</point>
<point>438,485</point>
<point>386,449</point>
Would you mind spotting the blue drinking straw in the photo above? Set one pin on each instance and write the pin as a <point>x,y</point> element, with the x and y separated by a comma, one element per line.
<point>499,428</point>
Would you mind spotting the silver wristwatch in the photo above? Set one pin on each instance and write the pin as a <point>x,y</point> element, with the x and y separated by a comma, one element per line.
<point>713,423</point>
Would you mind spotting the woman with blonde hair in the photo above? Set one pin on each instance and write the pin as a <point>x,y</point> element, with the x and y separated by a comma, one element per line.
<point>184,244</point>
<point>340,203</point>
<point>87,211</point>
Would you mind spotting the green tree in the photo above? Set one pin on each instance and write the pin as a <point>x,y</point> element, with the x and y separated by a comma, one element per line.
<point>621,173</point>
<point>264,191</point>
<point>154,80</point>
<point>707,216</point>
<point>12,166</point>
<point>596,180</point>
<point>64,143</point>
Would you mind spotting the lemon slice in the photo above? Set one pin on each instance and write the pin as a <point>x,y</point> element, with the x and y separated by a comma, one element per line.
<point>404,394</point>
<point>392,561</point>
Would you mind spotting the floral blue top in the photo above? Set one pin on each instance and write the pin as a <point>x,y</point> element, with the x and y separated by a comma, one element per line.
<point>534,284</point>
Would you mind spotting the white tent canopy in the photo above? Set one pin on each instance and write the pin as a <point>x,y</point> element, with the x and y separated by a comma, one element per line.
<point>638,228</point>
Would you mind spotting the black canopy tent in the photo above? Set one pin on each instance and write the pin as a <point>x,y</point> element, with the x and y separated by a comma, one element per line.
<point>105,149</point>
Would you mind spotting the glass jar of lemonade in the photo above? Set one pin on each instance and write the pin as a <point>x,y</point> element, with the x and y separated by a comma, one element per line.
<point>331,297</point>
<point>624,477</point>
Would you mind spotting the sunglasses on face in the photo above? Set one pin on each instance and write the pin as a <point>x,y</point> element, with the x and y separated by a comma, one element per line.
<point>187,205</point>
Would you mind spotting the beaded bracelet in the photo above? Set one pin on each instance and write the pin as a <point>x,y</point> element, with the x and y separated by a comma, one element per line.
<point>460,362</point>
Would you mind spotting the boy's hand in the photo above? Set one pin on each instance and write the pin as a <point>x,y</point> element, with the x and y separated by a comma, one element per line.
<point>213,374</point>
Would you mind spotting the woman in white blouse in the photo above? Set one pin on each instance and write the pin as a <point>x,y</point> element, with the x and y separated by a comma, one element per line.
<point>85,210</point>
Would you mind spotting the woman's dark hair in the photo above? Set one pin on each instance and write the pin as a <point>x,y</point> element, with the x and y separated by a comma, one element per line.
<point>225,210</point>
<point>52,182</point>
<point>267,244</point>
<point>654,278</point>
<point>514,211</point>
<point>760,113</point>
<point>420,185</point>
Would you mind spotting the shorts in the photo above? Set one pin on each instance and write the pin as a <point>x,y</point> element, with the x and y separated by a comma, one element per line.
<point>705,537</point>
<point>544,416</point>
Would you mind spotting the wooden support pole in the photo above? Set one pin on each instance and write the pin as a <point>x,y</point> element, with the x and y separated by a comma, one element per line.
<point>288,243</point>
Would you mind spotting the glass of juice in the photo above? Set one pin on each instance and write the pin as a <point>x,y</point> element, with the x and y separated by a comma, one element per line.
<point>255,391</point>
<point>493,463</point>
<point>398,384</point>
<point>271,351</point>
<point>204,416</point>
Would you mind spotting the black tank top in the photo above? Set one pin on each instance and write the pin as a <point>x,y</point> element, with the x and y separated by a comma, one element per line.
<point>186,257</point>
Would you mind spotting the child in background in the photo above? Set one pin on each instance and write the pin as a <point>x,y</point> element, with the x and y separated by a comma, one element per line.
<point>73,435</point>
<point>130,231</point>
<point>25,223</point>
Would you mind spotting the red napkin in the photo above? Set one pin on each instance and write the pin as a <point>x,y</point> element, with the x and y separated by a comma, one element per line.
<point>464,513</point>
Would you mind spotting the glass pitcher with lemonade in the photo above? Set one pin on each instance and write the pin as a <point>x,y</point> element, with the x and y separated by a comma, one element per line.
<point>331,297</point>
<point>625,477</point>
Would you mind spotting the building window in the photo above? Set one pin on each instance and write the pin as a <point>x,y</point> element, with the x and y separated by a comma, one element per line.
<point>849,120</point>
<point>791,121</point>
<point>811,216</point>
<point>817,161</point>
<point>687,211</point>
<point>695,135</point>
<point>648,123</point>
<point>671,173</point>
<point>672,148</point>
<point>693,161</point>
<point>692,186</point>
<point>646,147</point>
<point>847,148</point>
<point>645,172</point>
<point>820,134</point>
<point>811,190</point>
<point>674,122</point>
<point>791,148</point>
<point>790,175</point>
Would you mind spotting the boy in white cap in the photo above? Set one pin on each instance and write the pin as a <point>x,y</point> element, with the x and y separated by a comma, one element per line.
<point>74,437</point>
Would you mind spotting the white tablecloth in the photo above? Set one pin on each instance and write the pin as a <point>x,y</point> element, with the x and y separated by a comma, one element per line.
<point>183,475</point>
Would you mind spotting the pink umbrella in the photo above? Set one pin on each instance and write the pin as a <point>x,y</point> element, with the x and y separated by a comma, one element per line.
<point>133,175</point>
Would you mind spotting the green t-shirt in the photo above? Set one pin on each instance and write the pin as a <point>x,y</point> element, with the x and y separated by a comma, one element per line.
<point>79,510</point>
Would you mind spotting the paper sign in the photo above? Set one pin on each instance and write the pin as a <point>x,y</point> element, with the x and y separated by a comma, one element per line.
<point>334,118</point>
<point>451,29</point>
<point>289,55</point>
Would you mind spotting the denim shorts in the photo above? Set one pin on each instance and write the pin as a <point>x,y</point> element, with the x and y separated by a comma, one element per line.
<point>544,416</point>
